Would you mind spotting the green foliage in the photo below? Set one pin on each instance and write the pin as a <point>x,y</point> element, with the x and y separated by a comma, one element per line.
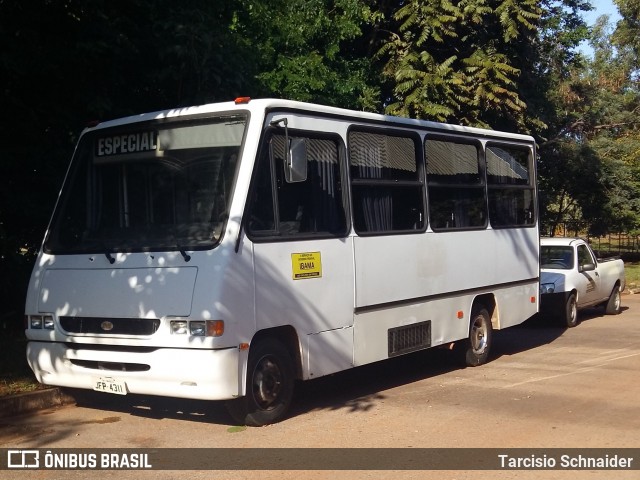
<point>505,64</point>
<point>309,50</point>
<point>453,61</point>
<point>627,34</point>
<point>596,118</point>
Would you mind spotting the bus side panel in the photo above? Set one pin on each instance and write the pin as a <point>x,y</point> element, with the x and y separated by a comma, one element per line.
<point>329,352</point>
<point>372,328</point>
<point>314,298</point>
<point>434,278</point>
<point>405,267</point>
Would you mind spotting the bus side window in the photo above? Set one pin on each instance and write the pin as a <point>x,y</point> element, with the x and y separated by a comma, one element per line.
<point>511,194</point>
<point>310,207</point>
<point>455,185</point>
<point>386,182</point>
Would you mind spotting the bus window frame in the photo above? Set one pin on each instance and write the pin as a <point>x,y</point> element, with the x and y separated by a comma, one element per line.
<point>265,148</point>
<point>417,139</point>
<point>482,185</point>
<point>531,186</point>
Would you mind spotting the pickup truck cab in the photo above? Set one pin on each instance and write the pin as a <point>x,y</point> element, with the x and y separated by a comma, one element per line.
<point>573,278</point>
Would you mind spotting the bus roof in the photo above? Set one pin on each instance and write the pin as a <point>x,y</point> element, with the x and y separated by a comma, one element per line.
<point>269,104</point>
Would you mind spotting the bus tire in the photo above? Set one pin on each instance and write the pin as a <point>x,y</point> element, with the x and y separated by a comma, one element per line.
<point>270,383</point>
<point>478,345</point>
<point>614,303</point>
<point>571,311</point>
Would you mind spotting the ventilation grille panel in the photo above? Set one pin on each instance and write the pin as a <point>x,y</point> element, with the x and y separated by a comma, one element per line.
<point>409,338</point>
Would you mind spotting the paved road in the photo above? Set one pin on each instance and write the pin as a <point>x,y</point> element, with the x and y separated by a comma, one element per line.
<point>545,387</point>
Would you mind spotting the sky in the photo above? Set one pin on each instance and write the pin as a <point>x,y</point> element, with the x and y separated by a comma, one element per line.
<point>602,7</point>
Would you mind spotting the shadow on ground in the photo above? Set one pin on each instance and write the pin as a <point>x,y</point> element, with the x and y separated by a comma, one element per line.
<point>354,390</point>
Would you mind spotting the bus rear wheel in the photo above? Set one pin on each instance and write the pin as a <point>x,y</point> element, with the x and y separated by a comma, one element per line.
<point>477,347</point>
<point>270,383</point>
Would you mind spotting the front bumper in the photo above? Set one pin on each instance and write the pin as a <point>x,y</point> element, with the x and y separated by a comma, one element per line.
<point>205,374</point>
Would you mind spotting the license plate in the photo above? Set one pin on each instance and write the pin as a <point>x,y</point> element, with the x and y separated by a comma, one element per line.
<point>110,385</point>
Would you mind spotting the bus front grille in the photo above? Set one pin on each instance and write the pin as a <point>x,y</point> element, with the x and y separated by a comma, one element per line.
<point>112,366</point>
<point>409,338</point>
<point>110,326</point>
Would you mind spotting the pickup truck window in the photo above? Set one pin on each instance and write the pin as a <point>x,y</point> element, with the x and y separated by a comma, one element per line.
<point>584,255</point>
<point>556,257</point>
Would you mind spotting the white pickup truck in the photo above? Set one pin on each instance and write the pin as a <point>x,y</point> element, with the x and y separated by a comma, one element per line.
<point>573,278</point>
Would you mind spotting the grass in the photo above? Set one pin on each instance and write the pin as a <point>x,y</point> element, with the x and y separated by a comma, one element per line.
<point>632,274</point>
<point>15,374</point>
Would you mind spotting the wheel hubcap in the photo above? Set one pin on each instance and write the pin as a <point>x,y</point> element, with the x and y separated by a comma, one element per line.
<point>479,336</point>
<point>267,382</point>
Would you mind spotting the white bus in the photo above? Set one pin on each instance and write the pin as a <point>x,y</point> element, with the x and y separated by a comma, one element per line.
<point>224,251</point>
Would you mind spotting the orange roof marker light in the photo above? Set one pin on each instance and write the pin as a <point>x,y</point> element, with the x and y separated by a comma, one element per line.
<point>241,100</point>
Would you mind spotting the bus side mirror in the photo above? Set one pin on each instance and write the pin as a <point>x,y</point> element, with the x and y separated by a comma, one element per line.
<point>296,162</point>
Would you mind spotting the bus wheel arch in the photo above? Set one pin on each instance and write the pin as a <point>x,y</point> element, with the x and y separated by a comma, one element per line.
<point>272,368</point>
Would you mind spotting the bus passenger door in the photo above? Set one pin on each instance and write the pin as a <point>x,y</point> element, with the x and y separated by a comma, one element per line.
<point>302,253</point>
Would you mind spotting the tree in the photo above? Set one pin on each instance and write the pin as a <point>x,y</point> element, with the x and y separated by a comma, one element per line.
<point>627,34</point>
<point>455,62</point>
<point>590,164</point>
<point>66,63</point>
<point>312,50</point>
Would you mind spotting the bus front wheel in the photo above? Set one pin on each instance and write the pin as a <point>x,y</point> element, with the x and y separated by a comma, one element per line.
<point>270,382</point>
<point>477,346</point>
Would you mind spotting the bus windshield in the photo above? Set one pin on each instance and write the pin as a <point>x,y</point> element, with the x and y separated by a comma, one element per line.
<point>148,187</point>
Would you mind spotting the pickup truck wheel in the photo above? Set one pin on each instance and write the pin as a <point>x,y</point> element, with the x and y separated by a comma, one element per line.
<point>571,311</point>
<point>614,303</point>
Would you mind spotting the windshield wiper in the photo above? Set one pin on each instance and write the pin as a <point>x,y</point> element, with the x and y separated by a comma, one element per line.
<point>183,252</point>
<point>107,253</point>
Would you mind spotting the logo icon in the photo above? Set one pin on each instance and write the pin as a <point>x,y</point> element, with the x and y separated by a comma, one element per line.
<point>23,459</point>
<point>106,326</point>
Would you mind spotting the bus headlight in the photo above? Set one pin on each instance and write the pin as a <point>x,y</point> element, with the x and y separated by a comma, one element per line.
<point>48,322</point>
<point>547,288</point>
<point>179,327</point>
<point>38,322</point>
<point>198,328</point>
